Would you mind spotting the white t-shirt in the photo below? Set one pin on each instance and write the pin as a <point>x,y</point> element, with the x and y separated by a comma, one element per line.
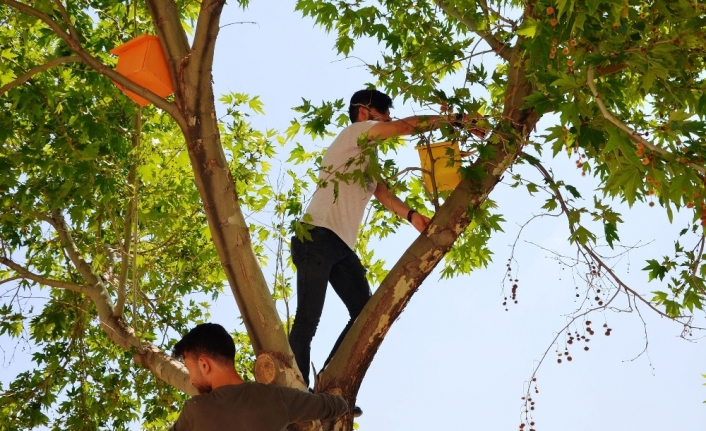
<point>340,203</point>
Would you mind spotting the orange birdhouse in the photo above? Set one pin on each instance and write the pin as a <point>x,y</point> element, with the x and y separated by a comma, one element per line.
<point>142,61</point>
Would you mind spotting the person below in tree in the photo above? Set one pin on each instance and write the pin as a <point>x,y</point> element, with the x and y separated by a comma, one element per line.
<point>227,403</point>
<point>336,212</point>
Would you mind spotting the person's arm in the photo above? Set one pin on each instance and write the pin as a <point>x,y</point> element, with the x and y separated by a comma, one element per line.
<point>395,205</point>
<point>182,422</point>
<point>415,124</point>
<point>406,126</point>
<point>304,406</point>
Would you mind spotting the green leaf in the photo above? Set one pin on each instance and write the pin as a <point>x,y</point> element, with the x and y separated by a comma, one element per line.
<point>550,204</point>
<point>574,192</point>
<point>539,101</point>
<point>611,233</point>
<point>633,180</point>
<point>582,236</point>
<point>648,79</point>
<point>256,105</point>
<point>592,6</point>
<point>567,84</point>
<point>590,137</point>
<point>655,270</point>
<point>528,28</point>
<point>7,53</point>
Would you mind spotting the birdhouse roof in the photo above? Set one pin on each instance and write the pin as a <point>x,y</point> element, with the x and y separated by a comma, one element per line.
<point>118,50</point>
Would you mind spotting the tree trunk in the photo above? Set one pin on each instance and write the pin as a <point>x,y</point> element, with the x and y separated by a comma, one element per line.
<point>231,236</point>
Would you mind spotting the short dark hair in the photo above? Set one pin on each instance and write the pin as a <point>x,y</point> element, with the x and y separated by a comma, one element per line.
<point>372,99</point>
<point>207,339</point>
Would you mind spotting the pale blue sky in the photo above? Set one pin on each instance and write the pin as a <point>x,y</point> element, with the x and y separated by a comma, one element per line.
<point>456,359</point>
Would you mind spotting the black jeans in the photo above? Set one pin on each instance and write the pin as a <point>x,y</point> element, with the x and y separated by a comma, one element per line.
<point>324,259</point>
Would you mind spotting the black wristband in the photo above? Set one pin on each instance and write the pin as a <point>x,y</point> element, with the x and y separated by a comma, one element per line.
<point>409,215</point>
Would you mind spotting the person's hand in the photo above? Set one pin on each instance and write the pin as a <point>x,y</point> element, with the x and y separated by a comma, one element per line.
<point>420,222</point>
<point>469,122</point>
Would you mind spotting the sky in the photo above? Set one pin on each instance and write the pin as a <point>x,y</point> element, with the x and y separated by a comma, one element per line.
<point>456,359</point>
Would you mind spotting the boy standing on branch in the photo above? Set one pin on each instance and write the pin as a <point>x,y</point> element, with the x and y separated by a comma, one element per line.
<point>336,212</point>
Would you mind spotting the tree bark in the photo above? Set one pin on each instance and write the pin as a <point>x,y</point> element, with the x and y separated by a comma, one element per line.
<point>150,356</point>
<point>195,100</point>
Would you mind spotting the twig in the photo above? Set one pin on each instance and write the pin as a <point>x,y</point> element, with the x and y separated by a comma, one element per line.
<point>24,78</point>
<point>486,8</point>
<point>130,213</point>
<point>409,169</point>
<point>501,49</point>
<point>7,280</point>
<point>27,274</point>
<point>592,253</point>
<point>647,340</point>
<point>240,22</point>
<point>136,187</point>
<point>96,64</point>
<point>514,246</point>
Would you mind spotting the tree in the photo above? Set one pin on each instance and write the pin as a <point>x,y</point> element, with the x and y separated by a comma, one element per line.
<point>592,63</point>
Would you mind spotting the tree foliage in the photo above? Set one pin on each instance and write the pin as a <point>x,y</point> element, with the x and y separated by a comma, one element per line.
<point>113,217</point>
<point>624,80</point>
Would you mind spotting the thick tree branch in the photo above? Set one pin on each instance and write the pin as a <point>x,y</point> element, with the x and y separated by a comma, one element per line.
<point>84,268</point>
<point>611,69</point>
<point>207,28</point>
<point>230,233</point>
<point>26,273</point>
<point>96,64</point>
<point>634,135</point>
<point>150,356</point>
<point>146,354</point>
<point>165,367</point>
<point>24,78</point>
<point>175,44</point>
<point>203,48</point>
<point>503,50</point>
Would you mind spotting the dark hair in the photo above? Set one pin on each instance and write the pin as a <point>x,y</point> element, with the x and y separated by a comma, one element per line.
<point>371,99</point>
<point>207,339</point>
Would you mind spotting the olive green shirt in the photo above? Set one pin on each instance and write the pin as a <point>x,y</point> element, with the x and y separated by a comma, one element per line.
<point>256,407</point>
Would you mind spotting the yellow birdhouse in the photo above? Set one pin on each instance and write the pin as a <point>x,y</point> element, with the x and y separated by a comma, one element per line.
<point>446,158</point>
